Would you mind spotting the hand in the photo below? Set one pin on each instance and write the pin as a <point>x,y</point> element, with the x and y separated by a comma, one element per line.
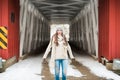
<point>45,61</point>
<point>73,60</point>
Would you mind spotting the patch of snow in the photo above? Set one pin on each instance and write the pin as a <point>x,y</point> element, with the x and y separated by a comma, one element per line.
<point>96,67</point>
<point>28,69</point>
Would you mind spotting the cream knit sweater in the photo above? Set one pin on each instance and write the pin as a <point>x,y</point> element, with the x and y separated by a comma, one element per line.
<point>60,51</point>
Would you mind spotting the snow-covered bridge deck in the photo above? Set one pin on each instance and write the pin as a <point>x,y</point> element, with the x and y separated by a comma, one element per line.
<point>86,68</point>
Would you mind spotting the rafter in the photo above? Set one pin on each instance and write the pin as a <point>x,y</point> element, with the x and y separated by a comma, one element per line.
<point>53,9</point>
<point>64,11</point>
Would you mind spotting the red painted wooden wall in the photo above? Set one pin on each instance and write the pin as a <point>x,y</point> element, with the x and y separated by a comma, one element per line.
<point>109,29</point>
<point>4,22</point>
<point>8,7</point>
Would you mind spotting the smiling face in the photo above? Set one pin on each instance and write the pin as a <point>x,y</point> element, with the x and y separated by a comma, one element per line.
<point>59,31</point>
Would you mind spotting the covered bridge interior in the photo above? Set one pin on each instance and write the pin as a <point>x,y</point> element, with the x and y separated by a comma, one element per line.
<point>93,24</point>
<point>36,17</point>
<point>26,27</point>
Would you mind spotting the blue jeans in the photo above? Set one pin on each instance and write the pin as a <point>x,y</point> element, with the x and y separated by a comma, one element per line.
<point>63,63</point>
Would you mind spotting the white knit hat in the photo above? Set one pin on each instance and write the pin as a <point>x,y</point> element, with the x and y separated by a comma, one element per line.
<point>59,28</point>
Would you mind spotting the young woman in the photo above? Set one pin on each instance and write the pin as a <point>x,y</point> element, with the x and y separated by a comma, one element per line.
<point>59,56</point>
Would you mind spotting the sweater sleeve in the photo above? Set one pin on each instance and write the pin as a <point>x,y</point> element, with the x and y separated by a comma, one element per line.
<point>70,51</point>
<point>48,49</point>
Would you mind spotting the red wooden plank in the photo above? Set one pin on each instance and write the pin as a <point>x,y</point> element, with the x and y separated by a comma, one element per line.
<point>109,29</point>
